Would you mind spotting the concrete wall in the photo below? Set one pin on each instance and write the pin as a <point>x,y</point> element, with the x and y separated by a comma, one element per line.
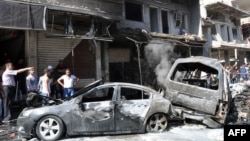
<point>195,16</point>
<point>243,4</point>
<point>31,48</point>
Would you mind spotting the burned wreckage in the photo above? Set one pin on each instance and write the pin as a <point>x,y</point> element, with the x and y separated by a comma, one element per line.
<point>197,88</point>
<point>99,108</point>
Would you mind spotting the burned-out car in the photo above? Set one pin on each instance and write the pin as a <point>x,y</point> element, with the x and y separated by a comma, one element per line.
<point>199,89</point>
<point>109,108</point>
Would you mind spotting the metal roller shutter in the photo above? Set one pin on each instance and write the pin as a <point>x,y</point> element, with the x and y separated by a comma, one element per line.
<point>50,50</point>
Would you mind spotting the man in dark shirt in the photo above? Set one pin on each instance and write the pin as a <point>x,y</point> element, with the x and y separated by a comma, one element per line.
<point>58,72</point>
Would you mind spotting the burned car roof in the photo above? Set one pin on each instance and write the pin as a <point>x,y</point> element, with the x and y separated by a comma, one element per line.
<point>100,82</point>
<point>190,63</point>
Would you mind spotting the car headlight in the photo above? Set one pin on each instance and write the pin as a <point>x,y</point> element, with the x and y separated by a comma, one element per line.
<point>26,113</point>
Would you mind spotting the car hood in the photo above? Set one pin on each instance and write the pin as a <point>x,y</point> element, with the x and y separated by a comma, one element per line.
<point>87,87</point>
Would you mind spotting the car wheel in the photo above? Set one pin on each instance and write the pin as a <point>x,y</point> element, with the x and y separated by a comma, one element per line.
<point>50,128</point>
<point>157,123</point>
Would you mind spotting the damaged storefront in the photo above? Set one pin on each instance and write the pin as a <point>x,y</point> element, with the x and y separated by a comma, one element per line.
<point>99,42</point>
<point>42,33</point>
<point>147,57</point>
<point>78,40</point>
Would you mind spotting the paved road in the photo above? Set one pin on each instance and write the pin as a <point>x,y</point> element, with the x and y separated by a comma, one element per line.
<point>188,132</point>
<point>191,132</point>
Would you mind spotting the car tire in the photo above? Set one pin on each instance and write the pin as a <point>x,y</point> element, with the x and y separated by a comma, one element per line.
<point>157,123</point>
<point>50,128</point>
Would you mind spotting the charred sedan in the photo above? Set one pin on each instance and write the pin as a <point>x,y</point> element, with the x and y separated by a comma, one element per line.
<point>109,108</point>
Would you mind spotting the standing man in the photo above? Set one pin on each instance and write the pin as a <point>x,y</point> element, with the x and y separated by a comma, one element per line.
<point>58,72</point>
<point>69,80</point>
<point>9,85</point>
<point>31,81</point>
<point>44,85</point>
<point>243,73</point>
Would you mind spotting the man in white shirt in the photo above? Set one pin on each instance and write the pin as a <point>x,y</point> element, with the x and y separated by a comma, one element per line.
<point>44,85</point>
<point>9,85</point>
<point>69,80</point>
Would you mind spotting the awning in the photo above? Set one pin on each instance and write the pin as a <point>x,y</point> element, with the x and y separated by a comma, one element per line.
<point>230,46</point>
<point>134,35</point>
<point>227,10</point>
<point>182,40</point>
<point>14,15</point>
<point>85,10</point>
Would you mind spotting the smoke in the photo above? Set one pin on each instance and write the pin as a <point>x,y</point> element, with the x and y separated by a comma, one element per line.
<point>160,56</point>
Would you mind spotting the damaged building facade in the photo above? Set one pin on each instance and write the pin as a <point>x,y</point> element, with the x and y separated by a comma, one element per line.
<point>221,26</point>
<point>98,39</point>
<point>44,32</point>
<point>119,40</point>
<point>245,22</point>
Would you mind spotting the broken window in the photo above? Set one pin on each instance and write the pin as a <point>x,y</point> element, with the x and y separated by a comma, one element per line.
<point>196,74</point>
<point>71,24</point>
<point>103,94</point>
<point>178,18</point>
<point>133,94</point>
<point>214,34</point>
<point>133,11</point>
<point>62,23</point>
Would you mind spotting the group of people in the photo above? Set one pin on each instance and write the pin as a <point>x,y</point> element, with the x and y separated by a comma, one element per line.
<point>58,82</point>
<point>239,74</point>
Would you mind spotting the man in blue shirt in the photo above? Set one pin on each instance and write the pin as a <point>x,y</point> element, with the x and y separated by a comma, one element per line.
<point>243,73</point>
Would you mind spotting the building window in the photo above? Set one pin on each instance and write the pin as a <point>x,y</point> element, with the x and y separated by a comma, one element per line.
<point>164,18</point>
<point>177,1</point>
<point>213,30</point>
<point>183,19</point>
<point>235,34</point>
<point>133,11</point>
<point>178,19</point>
<point>157,17</point>
<point>154,25</point>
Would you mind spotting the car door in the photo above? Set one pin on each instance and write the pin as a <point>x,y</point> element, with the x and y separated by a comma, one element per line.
<point>131,108</point>
<point>96,112</point>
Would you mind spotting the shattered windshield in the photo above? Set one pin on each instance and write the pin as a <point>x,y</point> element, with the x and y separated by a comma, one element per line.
<point>196,74</point>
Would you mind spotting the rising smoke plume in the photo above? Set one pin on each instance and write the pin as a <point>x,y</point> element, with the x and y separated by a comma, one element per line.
<point>160,57</point>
